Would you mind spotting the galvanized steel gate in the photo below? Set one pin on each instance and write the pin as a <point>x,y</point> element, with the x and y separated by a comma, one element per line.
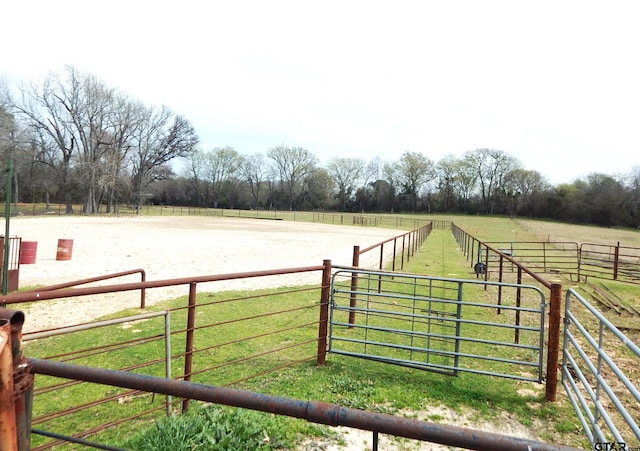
<point>438,324</point>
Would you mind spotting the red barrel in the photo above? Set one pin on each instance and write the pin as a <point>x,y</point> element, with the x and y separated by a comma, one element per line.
<point>28,250</point>
<point>65,249</point>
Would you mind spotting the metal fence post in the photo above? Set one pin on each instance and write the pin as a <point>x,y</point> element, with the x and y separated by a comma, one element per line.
<point>323,323</point>
<point>553,344</point>
<point>8,430</point>
<point>191,326</point>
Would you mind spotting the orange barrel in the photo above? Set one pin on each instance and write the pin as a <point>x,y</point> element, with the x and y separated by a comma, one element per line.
<point>65,248</point>
<point>28,250</point>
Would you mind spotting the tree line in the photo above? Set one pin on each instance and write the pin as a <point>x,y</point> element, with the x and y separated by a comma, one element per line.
<point>74,140</point>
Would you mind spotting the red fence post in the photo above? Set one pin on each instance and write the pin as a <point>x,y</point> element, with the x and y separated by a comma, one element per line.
<point>143,291</point>
<point>393,262</point>
<point>191,327</point>
<point>553,344</point>
<point>616,259</point>
<point>323,323</point>
<point>8,428</point>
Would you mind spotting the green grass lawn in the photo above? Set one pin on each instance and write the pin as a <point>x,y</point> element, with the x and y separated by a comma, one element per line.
<point>347,381</point>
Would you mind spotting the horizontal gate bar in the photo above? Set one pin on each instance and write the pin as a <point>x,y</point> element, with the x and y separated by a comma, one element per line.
<point>313,411</point>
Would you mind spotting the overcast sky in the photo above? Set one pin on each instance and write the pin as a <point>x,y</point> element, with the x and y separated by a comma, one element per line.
<point>554,83</point>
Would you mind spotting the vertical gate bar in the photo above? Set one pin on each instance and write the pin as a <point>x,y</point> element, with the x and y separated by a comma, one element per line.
<point>354,284</point>
<point>380,267</point>
<point>167,354</point>
<point>500,267</point>
<point>599,369</point>
<point>324,313</point>
<point>456,359</point>
<point>553,342</point>
<point>413,317</point>
<point>366,313</point>
<point>518,300</point>
<point>565,332</point>
<point>188,353</point>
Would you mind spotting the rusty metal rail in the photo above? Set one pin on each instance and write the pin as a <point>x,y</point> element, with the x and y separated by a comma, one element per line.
<point>76,283</point>
<point>614,262</point>
<point>313,411</point>
<point>542,257</point>
<point>44,294</point>
<point>411,241</point>
<point>202,352</point>
<point>409,244</point>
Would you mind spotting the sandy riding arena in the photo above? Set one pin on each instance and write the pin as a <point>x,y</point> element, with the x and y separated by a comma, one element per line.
<point>175,247</point>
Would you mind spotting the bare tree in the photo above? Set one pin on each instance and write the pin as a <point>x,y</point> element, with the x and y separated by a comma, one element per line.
<point>161,137</point>
<point>345,172</point>
<point>196,175</point>
<point>126,118</point>
<point>446,170</point>
<point>40,108</point>
<point>221,165</point>
<point>8,130</point>
<point>414,170</point>
<point>253,170</point>
<point>490,166</point>
<point>465,180</point>
<point>88,104</point>
<point>292,165</point>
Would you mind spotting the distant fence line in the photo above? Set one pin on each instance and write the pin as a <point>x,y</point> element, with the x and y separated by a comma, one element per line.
<point>582,261</point>
<point>342,218</point>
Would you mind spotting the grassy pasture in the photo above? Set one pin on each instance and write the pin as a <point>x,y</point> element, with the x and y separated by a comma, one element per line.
<point>346,381</point>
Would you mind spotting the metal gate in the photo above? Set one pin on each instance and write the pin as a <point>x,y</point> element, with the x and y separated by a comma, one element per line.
<point>438,324</point>
<point>596,355</point>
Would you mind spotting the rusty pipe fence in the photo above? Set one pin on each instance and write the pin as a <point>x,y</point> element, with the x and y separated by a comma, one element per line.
<point>89,280</point>
<point>407,243</point>
<point>575,260</point>
<point>279,328</point>
<point>133,392</point>
<point>312,411</point>
<point>16,384</point>
<point>613,262</point>
<point>471,247</point>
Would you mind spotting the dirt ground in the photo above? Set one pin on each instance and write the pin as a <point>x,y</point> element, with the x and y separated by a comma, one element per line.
<point>176,247</point>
